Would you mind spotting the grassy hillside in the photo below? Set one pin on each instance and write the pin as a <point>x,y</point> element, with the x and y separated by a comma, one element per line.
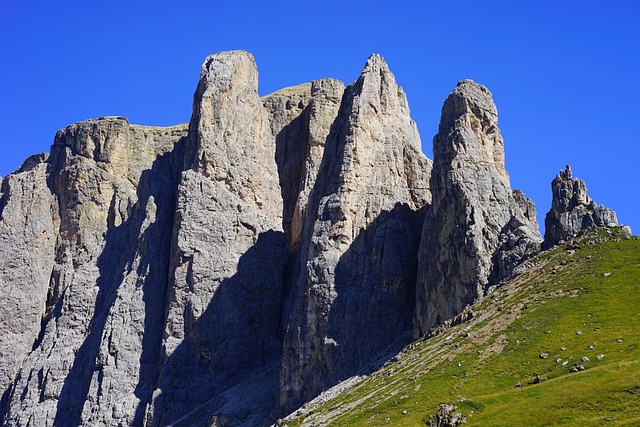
<point>576,301</point>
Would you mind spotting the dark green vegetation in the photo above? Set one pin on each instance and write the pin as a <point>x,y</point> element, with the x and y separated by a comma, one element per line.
<point>575,301</point>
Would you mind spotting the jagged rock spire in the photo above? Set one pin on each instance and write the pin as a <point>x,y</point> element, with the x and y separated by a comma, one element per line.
<point>225,274</point>
<point>354,280</point>
<point>468,131</point>
<point>572,210</point>
<point>232,141</point>
<point>476,232</point>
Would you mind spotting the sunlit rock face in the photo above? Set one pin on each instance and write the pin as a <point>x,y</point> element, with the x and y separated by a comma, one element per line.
<point>476,232</point>
<point>102,202</point>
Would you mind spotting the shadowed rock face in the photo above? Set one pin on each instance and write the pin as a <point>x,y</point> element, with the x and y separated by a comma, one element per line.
<point>355,266</point>
<point>476,232</point>
<point>572,210</point>
<point>228,248</point>
<point>109,188</point>
<point>224,271</point>
<point>301,121</point>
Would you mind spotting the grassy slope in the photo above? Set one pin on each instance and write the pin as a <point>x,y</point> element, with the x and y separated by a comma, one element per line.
<point>561,305</point>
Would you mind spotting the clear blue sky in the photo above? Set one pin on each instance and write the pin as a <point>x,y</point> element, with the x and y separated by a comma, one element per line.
<point>564,74</point>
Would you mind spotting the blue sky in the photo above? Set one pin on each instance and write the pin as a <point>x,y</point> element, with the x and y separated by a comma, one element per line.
<point>565,75</point>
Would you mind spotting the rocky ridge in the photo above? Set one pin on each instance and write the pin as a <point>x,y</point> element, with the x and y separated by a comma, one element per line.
<point>225,271</point>
<point>572,210</point>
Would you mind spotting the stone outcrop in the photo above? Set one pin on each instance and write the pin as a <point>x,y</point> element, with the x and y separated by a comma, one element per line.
<point>222,272</point>
<point>111,184</point>
<point>228,250</point>
<point>302,117</point>
<point>572,210</point>
<point>447,417</point>
<point>476,232</point>
<point>27,243</point>
<point>356,263</point>
<point>527,206</point>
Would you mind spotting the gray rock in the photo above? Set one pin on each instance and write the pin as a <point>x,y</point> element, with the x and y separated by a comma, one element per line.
<point>527,206</point>
<point>285,106</point>
<point>353,279</point>
<point>577,368</point>
<point>476,233</point>
<point>27,240</point>
<point>301,120</point>
<point>230,132</point>
<point>113,193</point>
<point>228,249</point>
<point>572,210</point>
<point>537,379</point>
<point>447,417</point>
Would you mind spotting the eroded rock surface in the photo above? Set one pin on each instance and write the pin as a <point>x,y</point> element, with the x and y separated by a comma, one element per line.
<point>302,118</point>
<point>28,218</point>
<point>572,210</point>
<point>476,232</point>
<point>356,263</point>
<point>225,271</point>
<point>223,306</point>
<point>111,181</point>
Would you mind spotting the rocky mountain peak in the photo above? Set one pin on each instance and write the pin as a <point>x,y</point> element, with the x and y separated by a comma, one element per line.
<point>471,114</point>
<point>230,70</point>
<point>376,89</point>
<point>360,238</point>
<point>569,193</point>
<point>231,139</point>
<point>477,231</point>
<point>225,271</point>
<point>572,210</point>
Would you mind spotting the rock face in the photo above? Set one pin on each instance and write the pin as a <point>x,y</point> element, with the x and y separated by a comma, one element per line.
<point>356,263</point>
<point>111,183</point>
<point>228,250</point>
<point>223,272</point>
<point>572,210</point>
<point>476,232</point>
<point>27,244</point>
<point>301,135</point>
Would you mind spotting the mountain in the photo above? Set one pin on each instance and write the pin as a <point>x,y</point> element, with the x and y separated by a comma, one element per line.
<point>553,346</point>
<point>228,270</point>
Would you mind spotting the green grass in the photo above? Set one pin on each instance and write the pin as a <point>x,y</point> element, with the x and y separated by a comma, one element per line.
<point>563,304</point>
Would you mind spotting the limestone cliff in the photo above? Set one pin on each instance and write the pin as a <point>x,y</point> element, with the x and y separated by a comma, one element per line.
<point>228,248</point>
<point>225,271</point>
<point>111,183</point>
<point>27,247</point>
<point>355,267</point>
<point>476,232</point>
